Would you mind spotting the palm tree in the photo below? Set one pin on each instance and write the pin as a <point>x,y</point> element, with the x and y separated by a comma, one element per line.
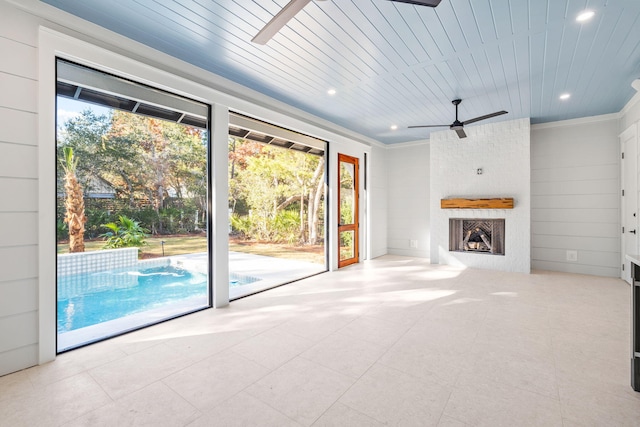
<point>74,202</point>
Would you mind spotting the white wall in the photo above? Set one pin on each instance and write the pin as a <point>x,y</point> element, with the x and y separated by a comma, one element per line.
<point>575,199</point>
<point>18,190</point>
<point>27,302</point>
<point>377,193</point>
<point>502,151</point>
<point>408,199</point>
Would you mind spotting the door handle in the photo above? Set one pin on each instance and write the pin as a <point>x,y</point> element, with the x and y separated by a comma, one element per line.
<point>632,231</point>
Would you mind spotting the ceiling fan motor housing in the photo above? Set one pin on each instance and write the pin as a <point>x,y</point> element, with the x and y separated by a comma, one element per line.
<point>430,3</point>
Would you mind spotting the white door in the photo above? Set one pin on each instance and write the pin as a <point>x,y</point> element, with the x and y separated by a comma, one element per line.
<point>629,204</point>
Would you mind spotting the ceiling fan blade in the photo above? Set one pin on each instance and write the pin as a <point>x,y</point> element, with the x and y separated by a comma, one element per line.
<point>461,133</point>
<point>279,21</point>
<point>488,116</point>
<point>430,3</point>
<point>427,126</point>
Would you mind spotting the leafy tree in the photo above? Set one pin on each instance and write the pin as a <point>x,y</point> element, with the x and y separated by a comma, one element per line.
<point>85,134</point>
<point>240,150</point>
<point>147,161</point>
<point>169,159</point>
<point>159,170</point>
<point>275,184</point>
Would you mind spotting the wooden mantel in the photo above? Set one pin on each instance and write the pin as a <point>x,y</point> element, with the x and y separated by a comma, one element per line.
<point>501,203</point>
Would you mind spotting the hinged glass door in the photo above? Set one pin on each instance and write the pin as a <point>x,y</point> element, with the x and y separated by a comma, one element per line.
<point>347,210</point>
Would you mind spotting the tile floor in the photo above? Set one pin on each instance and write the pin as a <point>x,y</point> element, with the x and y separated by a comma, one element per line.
<point>394,341</point>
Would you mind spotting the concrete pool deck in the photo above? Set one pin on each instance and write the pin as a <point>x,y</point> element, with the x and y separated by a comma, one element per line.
<point>270,271</point>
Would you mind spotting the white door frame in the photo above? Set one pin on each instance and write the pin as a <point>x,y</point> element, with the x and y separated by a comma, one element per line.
<point>628,198</point>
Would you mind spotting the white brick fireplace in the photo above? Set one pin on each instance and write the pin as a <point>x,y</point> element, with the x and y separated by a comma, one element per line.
<point>492,162</point>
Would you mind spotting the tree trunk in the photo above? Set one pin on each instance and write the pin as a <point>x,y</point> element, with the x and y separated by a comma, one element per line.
<point>75,217</point>
<point>311,209</point>
<point>233,162</point>
<point>289,201</point>
<point>314,202</point>
<point>129,187</point>
<point>302,239</point>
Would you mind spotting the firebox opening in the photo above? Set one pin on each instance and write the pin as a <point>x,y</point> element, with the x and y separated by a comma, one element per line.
<point>477,235</point>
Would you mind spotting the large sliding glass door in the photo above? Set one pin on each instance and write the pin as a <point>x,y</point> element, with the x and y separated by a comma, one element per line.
<point>277,209</point>
<point>132,205</point>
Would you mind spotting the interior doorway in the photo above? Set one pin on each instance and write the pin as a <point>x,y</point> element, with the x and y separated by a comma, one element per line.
<point>348,210</point>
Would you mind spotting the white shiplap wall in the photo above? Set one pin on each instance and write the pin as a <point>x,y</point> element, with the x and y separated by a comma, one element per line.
<point>18,191</point>
<point>408,199</point>
<point>575,201</point>
<point>377,193</point>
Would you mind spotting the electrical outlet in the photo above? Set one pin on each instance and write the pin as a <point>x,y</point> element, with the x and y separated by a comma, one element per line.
<point>572,256</point>
<point>413,243</point>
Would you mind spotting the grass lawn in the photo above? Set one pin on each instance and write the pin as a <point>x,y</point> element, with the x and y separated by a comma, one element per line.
<point>178,245</point>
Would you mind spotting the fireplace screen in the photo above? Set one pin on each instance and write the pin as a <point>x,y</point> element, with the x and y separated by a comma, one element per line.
<point>477,235</point>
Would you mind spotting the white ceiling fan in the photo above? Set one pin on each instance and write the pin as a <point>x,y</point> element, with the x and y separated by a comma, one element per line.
<point>295,6</point>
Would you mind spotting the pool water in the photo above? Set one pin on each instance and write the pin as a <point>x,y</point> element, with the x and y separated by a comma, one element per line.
<point>89,299</point>
<point>237,279</point>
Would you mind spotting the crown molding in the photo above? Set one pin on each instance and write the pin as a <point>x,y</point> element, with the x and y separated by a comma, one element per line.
<point>629,105</point>
<point>408,144</point>
<point>578,121</point>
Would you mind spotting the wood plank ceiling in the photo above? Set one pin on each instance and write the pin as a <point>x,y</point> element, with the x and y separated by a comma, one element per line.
<point>399,64</point>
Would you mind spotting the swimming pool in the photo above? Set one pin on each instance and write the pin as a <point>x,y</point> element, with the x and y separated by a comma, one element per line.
<point>93,298</point>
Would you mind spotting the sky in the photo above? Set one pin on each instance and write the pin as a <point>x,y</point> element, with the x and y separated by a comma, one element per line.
<point>70,108</point>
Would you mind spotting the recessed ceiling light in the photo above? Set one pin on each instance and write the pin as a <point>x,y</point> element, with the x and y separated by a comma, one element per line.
<point>565,96</point>
<point>331,91</point>
<point>585,16</point>
<point>394,127</point>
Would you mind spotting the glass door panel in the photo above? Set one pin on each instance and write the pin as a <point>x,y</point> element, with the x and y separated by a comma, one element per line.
<point>276,208</point>
<point>132,197</point>
<point>347,248</point>
<point>346,193</point>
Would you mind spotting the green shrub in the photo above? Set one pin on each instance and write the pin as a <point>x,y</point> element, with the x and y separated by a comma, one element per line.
<point>96,218</point>
<point>125,233</point>
<point>285,227</point>
<point>241,224</point>
<point>62,231</point>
